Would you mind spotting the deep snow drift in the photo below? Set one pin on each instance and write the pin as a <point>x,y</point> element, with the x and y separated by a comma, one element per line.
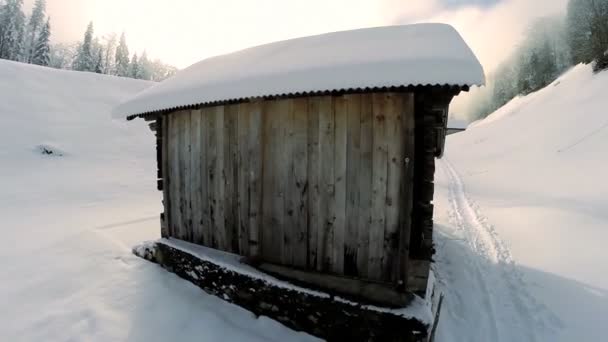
<point>78,190</point>
<point>522,218</point>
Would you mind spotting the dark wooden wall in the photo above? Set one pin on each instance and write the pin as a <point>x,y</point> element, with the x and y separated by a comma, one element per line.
<point>320,183</point>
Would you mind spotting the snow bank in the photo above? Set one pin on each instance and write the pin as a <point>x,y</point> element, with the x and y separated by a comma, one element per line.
<point>68,223</point>
<point>522,223</point>
<point>420,54</point>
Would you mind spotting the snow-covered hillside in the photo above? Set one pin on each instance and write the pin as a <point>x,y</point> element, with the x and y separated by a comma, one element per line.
<point>521,212</point>
<point>522,218</point>
<point>70,218</point>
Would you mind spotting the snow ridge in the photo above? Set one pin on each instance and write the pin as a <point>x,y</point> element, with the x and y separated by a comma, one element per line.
<point>512,313</point>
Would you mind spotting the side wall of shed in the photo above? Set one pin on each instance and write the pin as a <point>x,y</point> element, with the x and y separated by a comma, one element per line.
<point>320,183</point>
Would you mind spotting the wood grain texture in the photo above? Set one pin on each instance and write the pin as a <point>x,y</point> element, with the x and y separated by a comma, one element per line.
<point>242,169</point>
<point>300,180</point>
<point>184,179</point>
<point>230,176</point>
<point>286,164</point>
<point>273,181</point>
<point>353,156</point>
<point>195,186</point>
<point>364,185</point>
<point>318,183</point>
<point>256,156</point>
<point>212,176</point>
<point>220,182</point>
<point>393,209</point>
<point>340,156</point>
<point>327,180</point>
<point>407,189</point>
<point>174,193</point>
<point>204,174</point>
<point>314,222</point>
<point>166,172</point>
<point>378,196</point>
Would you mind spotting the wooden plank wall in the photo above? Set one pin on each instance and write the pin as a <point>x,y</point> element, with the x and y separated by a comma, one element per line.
<point>318,183</point>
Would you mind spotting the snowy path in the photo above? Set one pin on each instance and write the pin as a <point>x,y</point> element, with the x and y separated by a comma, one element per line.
<point>496,295</point>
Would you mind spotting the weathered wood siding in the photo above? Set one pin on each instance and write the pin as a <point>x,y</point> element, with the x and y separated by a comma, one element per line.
<point>319,183</point>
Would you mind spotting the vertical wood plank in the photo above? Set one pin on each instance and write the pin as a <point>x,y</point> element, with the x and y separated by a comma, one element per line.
<point>340,155</point>
<point>195,185</point>
<point>314,204</point>
<point>299,186</point>
<point>174,174</point>
<point>364,185</point>
<point>256,156</point>
<point>204,174</point>
<point>230,172</point>
<point>273,181</point>
<point>184,163</point>
<point>287,176</point>
<point>243,186</point>
<point>220,180</point>
<point>407,189</point>
<point>393,209</point>
<point>327,186</point>
<point>353,155</point>
<point>379,176</point>
<point>166,176</point>
<point>212,175</point>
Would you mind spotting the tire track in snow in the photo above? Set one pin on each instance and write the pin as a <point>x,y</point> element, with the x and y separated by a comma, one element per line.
<point>511,311</point>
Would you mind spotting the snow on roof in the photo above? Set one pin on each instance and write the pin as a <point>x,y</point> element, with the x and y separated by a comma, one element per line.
<point>392,56</point>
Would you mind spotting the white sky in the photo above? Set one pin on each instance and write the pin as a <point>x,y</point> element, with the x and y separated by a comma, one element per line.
<point>182,32</point>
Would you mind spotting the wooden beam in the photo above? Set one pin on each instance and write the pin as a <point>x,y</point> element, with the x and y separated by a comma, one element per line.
<point>351,288</point>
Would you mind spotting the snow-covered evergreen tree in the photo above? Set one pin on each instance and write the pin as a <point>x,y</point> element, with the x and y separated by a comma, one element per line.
<point>122,57</point>
<point>99,62</point>
<point>34,27</point>
<point>12,26</point>
<point>109,51</point>
<point>84,59</point>
<point>588,31</point>
<point>62,55</point>
<point>145,67</point>
<point>42,49</point>
<point>134,67</point>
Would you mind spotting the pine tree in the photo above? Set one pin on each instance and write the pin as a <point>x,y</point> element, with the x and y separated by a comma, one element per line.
<point>145,67</point>
<point>12,25</point>
<point>42,49</point>
<point>84,59</point>
<point>134,67</point>
<point>109,53</point>
<point>122,57</point>
<point>588,30</point>
<point>34,26</point>
<point>99,62</point>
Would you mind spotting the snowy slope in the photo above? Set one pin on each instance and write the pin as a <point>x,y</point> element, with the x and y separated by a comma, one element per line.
<point>522,218</point>
<point>68,222</point>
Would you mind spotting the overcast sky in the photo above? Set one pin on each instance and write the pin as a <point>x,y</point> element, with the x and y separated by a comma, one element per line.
<point>182,32</point>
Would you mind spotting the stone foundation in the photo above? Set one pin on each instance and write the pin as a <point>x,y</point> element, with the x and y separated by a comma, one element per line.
<point>319,314</point>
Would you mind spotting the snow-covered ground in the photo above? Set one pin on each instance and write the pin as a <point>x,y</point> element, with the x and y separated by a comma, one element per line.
<point>68,222</point>
<point>522,221</point>
<point>522,218</point>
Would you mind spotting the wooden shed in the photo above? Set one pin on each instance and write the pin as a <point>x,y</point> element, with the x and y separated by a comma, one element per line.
<point>313,158</point>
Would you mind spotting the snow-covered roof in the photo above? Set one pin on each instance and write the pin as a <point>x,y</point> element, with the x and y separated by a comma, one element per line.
<point>392,56</point>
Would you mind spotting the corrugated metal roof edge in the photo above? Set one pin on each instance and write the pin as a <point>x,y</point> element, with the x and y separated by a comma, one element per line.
<point>447,87</point>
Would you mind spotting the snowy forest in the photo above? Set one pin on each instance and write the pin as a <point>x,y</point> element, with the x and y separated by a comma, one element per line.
<point>27,39</point>
<point>550,47</point>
